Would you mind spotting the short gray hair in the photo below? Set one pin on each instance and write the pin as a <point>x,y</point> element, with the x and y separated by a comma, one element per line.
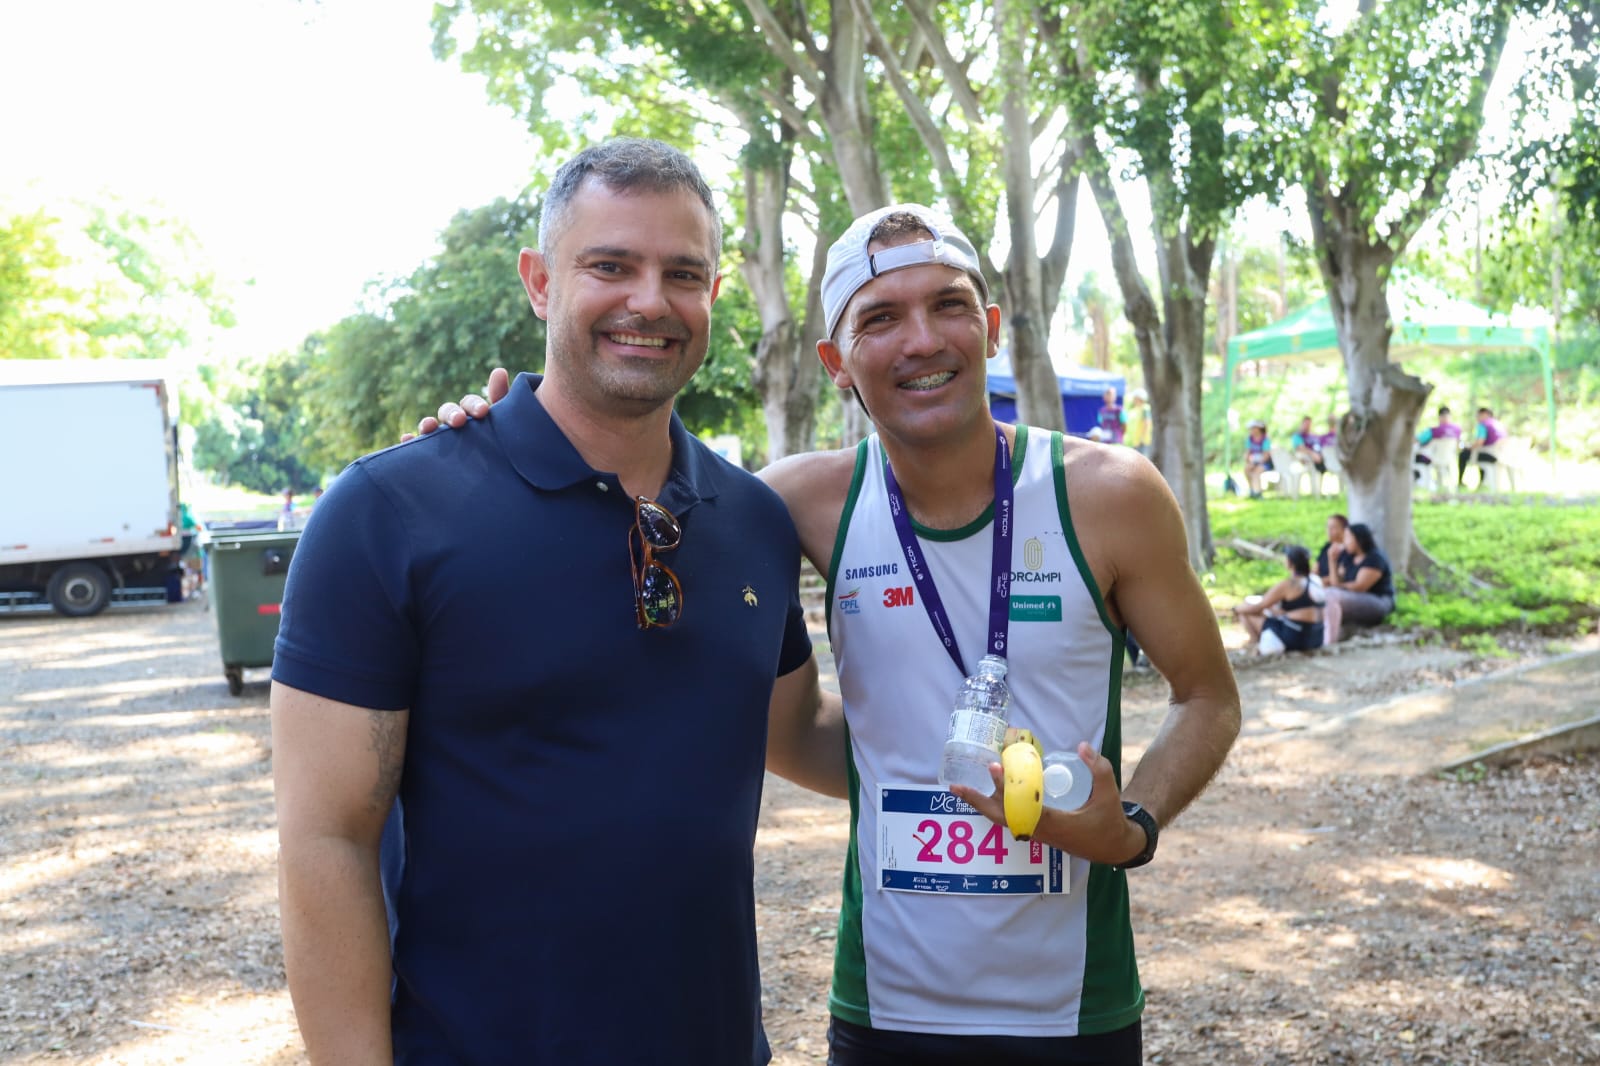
<point>625,164</point>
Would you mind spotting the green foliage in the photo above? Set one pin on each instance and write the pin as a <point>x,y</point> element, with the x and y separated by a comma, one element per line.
<point>33,298</point>
<point>431,338</point>
<point>254,436</point>
<point>720,398</point>
<point>1539,561</point>
<point>102,280</point>
<point>1474,774</point>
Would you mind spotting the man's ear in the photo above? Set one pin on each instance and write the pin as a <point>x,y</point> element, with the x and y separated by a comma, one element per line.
<point>992,315</point>
<point>716,287</point>
<point>531,267</point>
<point>833,363</point>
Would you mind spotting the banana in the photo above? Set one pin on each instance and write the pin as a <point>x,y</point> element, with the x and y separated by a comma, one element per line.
<point>1022,760</point>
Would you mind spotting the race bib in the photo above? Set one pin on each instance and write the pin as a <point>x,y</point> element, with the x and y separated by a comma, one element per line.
<point>930,840</point>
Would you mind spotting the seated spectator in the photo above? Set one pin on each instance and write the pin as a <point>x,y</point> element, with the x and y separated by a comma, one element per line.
<point>1360,583</point>
<point>1307,446</point>
<point>1110,419</point>
<point>1337,524</point>
<point>1329,440</point>
<point>1288,617</point>
<point>1443,430</point>
<point>1136,417</point>
<point>1486,435</point>
<point>1257,457</point>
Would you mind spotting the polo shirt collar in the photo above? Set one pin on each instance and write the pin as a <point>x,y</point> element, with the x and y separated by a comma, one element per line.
<point>541,453</point>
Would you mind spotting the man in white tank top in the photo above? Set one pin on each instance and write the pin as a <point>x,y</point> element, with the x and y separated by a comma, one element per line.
<point>1098,550</point>
<point>999,976</point>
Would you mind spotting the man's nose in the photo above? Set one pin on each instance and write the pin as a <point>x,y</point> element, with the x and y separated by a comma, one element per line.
<point>919,335</point>
<point>648,297</point>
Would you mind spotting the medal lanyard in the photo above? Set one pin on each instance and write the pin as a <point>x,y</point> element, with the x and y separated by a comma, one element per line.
<point>1000,581</point>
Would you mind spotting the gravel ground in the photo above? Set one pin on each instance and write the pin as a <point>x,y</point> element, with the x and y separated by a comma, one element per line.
<point>1305,910</point>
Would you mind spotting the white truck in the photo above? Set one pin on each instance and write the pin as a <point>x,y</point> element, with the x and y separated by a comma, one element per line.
<point>88,487</point>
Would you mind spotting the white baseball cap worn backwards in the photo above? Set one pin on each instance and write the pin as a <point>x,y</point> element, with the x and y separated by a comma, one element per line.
<point>850,266</point>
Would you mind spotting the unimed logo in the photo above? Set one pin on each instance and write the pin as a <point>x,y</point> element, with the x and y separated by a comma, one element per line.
<point>899,596</point>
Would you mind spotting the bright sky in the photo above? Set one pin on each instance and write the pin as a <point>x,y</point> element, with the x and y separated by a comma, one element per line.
<point>311,146</point>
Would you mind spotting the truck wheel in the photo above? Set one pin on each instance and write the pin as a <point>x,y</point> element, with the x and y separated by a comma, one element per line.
<point>235,676</point>
<point>79,590</point>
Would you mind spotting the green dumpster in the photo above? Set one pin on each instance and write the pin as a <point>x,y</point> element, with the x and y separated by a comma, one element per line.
<point>248,568</point>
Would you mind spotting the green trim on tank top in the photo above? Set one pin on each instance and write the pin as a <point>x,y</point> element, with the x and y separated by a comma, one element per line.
<point>1018,454</point>
<point>856,478</point>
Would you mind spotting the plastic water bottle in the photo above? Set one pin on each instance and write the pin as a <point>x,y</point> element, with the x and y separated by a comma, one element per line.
<point>1067,781</point>
<point>977,728</point>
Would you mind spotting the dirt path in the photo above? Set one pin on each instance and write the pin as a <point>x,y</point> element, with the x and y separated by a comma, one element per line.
<point>1308,909</point>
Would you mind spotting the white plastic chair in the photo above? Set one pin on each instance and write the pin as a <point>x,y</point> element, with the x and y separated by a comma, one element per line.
<point>1330,462</point>
<point>1294,471</point>
<point>1508,457</point>
<point>1441,451</point>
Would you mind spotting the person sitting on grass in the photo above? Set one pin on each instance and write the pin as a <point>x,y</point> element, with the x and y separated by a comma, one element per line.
<point>1288,617</point>
<point>1257,457</point>
<point>1337,524</point>
<point>1360,583</point>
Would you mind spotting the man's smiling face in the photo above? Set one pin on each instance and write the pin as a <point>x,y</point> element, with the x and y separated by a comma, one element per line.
<point>626,292</point>
<point>913,343</point>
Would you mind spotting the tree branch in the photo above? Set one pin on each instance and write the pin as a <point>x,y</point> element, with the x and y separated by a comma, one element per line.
<point>955,75</point>
<point>787,110</point>
<point>1059,254</point>
<point>916,110</point>
<point>1453,151</point>
<point>1138,305</point>
<point>783,45</point>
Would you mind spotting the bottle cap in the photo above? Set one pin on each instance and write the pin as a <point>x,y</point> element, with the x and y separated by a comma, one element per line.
<point>1067,781</point>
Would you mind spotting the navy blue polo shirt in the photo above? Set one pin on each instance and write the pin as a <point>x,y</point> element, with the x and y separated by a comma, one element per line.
<point>579,796</point>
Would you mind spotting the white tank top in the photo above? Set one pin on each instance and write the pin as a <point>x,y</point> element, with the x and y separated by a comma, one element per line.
<point>1039,965</point>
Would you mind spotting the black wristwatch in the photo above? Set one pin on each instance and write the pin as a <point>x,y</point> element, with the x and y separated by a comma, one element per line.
<point>1152,833</point>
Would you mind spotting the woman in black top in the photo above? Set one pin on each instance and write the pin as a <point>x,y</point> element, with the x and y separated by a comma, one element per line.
<point>1360,583</point>
<point>1291,610</point>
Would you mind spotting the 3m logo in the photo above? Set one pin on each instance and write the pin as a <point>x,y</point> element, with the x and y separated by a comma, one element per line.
<point>901,596</point>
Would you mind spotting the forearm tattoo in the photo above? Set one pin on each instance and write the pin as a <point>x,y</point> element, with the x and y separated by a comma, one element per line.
<point>389,744</point>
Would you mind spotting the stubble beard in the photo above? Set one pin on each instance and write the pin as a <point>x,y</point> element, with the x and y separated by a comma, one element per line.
<point>633,386</point>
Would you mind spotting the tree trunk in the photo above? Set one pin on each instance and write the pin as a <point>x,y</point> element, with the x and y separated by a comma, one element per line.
<point>1376,435</point>
<point>836,78</point>
<point>1038,391</point>
<point>784,373</point>
<point>1099,334</point>
<point>1173,356</point>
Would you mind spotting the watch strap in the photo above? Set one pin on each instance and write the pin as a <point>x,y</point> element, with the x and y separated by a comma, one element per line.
<point>1152,832</point>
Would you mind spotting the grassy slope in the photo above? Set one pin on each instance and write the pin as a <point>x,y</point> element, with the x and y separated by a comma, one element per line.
<point>1540,559</point>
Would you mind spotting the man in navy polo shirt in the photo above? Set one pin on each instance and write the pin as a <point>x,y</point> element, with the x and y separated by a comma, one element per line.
<point>576,745</point>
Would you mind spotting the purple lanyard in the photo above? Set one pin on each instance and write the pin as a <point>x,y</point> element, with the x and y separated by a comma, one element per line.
<point>1000,584</point>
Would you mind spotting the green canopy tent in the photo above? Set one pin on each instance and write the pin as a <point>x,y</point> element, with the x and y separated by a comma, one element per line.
<point>1425,318</point>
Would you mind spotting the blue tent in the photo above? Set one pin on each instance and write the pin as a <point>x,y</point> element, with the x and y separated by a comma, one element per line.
<point>1082,392</point>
